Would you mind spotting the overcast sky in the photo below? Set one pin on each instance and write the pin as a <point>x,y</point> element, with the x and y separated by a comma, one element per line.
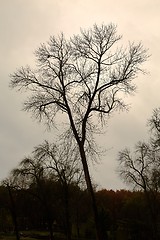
<point>24,24</point>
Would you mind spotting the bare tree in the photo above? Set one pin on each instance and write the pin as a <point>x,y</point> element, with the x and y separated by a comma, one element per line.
<point>141,169</point>
<point>50,161</point>
<point>84,77</point>
<point>31,171</point>
<point>154,124</point>
<point>63,163</point>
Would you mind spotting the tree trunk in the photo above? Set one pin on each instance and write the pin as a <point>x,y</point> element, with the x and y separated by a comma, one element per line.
<point>77,223</point>
<point>153,214</point>
<point>91,192</point>
<point>13,211</point>
<point>49,220</point>
<point>67,215</point>
<point>50,230</point>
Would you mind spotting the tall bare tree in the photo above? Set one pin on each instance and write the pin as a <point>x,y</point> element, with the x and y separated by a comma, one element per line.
<point>85,78</point>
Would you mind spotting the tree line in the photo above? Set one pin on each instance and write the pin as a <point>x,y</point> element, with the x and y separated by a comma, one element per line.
<point>122,214</point>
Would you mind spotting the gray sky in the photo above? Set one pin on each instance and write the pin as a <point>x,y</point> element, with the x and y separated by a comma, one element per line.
<point>24,24</point>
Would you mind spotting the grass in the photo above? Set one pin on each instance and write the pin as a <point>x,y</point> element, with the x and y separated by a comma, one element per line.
<point>31,235</point>
<point>13,238</point>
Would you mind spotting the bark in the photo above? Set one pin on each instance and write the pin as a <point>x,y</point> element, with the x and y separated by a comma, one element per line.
<point>91,193</point>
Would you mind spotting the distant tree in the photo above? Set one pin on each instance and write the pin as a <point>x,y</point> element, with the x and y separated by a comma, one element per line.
<point>4,211</point>
<point>50,162</point>
<point>142,170</point>
<point>154,124</point>
<point>85,78</point>
<point>62,162</point>
<point>31,171</point>
<point>9,183</point>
